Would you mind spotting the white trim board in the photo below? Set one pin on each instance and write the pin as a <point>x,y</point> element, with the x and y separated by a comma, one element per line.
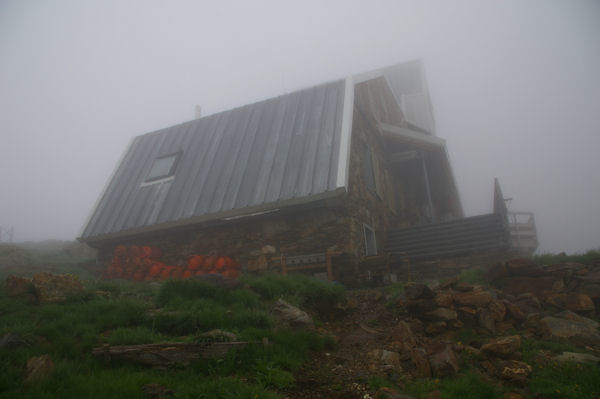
<point>346,135</point>
<point>411,135</point>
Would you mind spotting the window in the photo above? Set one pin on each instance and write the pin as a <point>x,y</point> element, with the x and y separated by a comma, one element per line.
<point>367,169</point>
<point>163,166</point>
<point>370,243</point>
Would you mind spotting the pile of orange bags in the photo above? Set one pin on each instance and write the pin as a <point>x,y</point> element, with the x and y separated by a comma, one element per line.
<point>143,264</point>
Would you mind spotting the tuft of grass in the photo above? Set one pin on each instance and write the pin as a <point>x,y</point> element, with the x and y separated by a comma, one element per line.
<point>475,275</point>
<point>565,380</point>
<point>309,293</point>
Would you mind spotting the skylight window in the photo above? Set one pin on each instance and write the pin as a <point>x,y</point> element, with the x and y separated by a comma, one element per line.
<point>163,167</point>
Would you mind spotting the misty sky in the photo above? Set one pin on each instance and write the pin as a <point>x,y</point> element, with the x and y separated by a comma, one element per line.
<point>515,87</point>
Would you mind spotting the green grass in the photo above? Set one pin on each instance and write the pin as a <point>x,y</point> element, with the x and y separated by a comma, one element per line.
<point>127,313</point>
<point>566,380</point>
<point>585,258</point>
<point>468,385</point>
<point>309,293</point>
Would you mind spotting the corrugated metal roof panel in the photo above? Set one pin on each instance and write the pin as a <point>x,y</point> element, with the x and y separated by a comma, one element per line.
<point>274,150</point>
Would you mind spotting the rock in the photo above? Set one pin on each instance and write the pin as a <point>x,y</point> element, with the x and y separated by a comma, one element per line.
<point>52,288</point>
<point>419,358</point>
<point>268,250</point>
<point>514,371</point>
<point>467,315</point>
<point>514,312</point>
<point>477,298</point>
<point>18,286</point>
<point>441,314</point>
<point>385,359</point>
<point>503,347</point>
<point>590,289</point>
<point>485,321</point>
<point>504,326</point>
<point>572,301</point>
<point>157,390</point>
<point>444,299</point>
<point>539,286</point>
<point>38,368</point>
<point>461,286</point>
<point>525,267</point>
<point>573,357</point>
<point>496,272</point>
<point>572,327</point>
<point>418,291</point>
<point>443,361</point>
<point>292,316</point>
<point>12,340</point>
<point>436,328</point>
<point>528,303</point>
<point>497,310</point>
<point>419,306</point>
<point>403,334</point>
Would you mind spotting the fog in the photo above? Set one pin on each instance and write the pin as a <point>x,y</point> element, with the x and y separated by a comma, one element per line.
<point>515,88</point>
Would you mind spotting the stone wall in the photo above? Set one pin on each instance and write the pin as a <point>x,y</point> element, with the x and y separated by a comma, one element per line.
<point>365,206</point>
<point>253,241</point>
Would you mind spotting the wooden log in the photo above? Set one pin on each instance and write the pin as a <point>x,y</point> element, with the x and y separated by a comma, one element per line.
<point>167,354</point>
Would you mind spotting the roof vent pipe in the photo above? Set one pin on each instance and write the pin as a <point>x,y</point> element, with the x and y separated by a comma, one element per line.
<point>198,112</point>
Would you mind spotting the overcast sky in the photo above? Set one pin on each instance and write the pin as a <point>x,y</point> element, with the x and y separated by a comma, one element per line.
<point>515,87</point>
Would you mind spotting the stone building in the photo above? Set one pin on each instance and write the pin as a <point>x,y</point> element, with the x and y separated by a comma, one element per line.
<point>334,166</point>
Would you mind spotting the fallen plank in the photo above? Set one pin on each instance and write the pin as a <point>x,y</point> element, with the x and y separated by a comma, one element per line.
<point>167,354</point>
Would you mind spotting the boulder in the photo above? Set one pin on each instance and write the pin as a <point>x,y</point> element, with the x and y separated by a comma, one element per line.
<point>486,321</point>
<point>38,368</point>
<point>572,301</point>
<point>514,312</point>
<point>51,288</point>
<point>385,360</point>
<point>514,371</point>
<point>441,314</point>
<point>528,303</point>
<point>443,361</point>
<point>291,316</point>
<point>496,272</point>
<point>503,347</point>
<point>419,358</point>
<point>435,328</point>
<point>444,299</point>
<point>418,307</point>
<point>467,315</point>
<point>539,286</point>
<point>497,310</point>
<point>525,267</point>
<point>567,325</point>
<point>403,335</point>
<point>418,291</point>
<point>477,298</point>
<point>12,340</point>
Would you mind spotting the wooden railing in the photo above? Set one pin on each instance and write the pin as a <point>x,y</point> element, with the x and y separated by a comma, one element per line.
<point>523,233</point>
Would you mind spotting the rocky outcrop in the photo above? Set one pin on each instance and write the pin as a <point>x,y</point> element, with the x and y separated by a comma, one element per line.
<point>569,326</point>
<point>51,288</point>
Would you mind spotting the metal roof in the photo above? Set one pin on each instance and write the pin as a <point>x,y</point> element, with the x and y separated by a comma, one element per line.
<point>255,157</point>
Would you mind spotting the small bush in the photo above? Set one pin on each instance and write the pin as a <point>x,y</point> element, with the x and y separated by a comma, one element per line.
<point>585,258</point>
<point>475,275</point>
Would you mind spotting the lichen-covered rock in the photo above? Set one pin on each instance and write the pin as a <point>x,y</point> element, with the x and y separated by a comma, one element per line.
<point>51,288</point>
<point>441,314</point>
<point>503,347</point>
<point>443,361</point>
<point>514,371</point>
<point>572,301</point>
<point>567,325</point>
<point>418,291</point>
<point>292,316</point>
<point>477,298</point>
